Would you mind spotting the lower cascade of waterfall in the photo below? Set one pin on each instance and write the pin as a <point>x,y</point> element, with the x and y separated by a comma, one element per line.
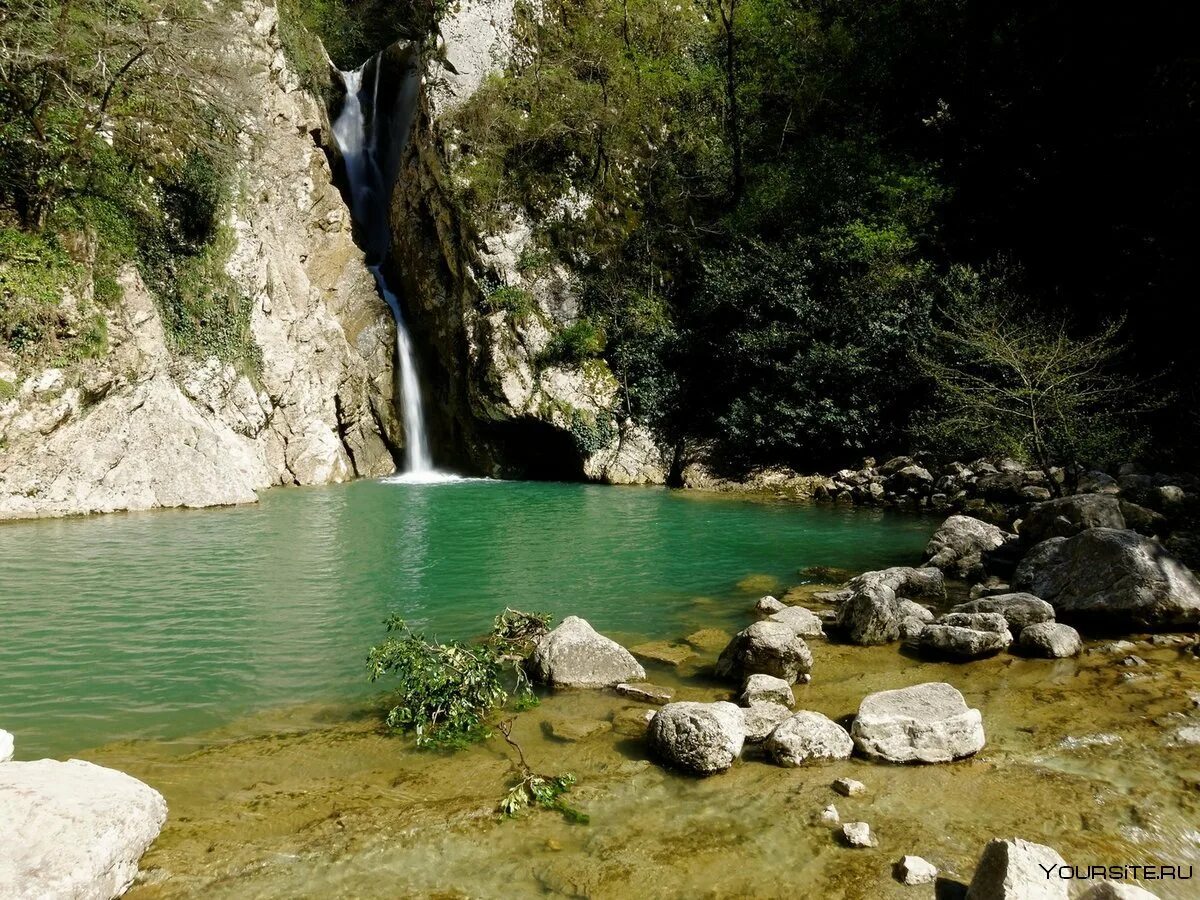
<point>358,132</point>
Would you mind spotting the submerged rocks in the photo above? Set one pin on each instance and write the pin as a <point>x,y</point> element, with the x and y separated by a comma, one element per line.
<point>808,736</point>
<point>1018,609</point>
<point>957,547</point>
<point>870,610</point>
<point>1113,577</point>
<point>1051,640</point>
<point>575,655</point>
<point>73,829</point>
<point>767,689</point>
<point>926,723</point>
<point>768,648</point>
<point>966,635</point>
<point>664,652</point>
<point>701,738</point>
<point>1017,870</point>
<point>646,692</point>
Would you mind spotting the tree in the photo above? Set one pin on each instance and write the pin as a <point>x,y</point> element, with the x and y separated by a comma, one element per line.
<point>1012,379</point>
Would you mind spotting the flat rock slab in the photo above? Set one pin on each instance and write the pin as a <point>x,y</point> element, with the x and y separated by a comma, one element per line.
<point>664,652</point>
<point>574,730</point>
<point>73,829</point>
<point>646,692</point>
<point>708,639</point>
<point>926,723</point>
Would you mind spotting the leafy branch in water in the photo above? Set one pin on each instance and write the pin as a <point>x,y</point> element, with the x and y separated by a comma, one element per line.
<point>532,789</point>
<point>447,692</point>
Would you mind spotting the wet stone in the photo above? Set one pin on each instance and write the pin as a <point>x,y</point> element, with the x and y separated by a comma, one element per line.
<point>848,787</point>
<point>915,870</point>
<point>575,730</point>
<point>858,835</point>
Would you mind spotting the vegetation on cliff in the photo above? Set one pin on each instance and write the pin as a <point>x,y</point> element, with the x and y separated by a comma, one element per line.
<point>116,146</point>
<point>775,204</point>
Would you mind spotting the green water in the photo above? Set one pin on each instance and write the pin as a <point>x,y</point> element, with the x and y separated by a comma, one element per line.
<point>163,624</point>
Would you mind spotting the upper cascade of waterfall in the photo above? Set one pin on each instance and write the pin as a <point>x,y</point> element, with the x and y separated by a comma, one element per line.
<point>367,138</point>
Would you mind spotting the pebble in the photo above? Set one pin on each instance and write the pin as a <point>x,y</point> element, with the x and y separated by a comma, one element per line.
<point>915,870</point>
<point>848,787</point>
<point>858,835</point>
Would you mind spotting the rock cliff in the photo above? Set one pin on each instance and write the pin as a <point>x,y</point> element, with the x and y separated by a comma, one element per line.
<point>503,404</point>
<point>144,427</point>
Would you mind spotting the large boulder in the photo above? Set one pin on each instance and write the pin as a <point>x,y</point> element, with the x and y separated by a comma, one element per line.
<point>767,648</point>
<point>73,829</point>
<point>1066,516</point>
<point>1051,640</point>
<point>1017,870</point>
<point>1020,610</point>
<point>807,736</point>
<point>966,635</point>
<point>575,655</point>
<point>926,723</point>
<point>701,738</point>
<point>870,611</point>
<point>1112,577</point>
<point>958,545</point>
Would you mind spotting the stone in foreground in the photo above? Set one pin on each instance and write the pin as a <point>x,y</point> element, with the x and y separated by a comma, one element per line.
<point>966,635</point>
<point>767,689</point>
<point>1020,610</point>
<point>915,870</point>
<point>848,787</point>
<point>701,738</point>
<point>1051,640</point>
<point>575,655</point>
<point>858,835</point>
<point>808,736</point>
<point>760,719</point>
<point>1113,577</point>
<point>1012,870</point>
<point>765,648</point>
<point>926,723</point>
<point>73,829</point>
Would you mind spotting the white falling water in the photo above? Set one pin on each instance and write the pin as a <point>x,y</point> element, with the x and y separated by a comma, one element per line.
<point>368,205</point>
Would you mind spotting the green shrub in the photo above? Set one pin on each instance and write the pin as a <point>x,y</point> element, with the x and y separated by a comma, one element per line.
<point>579,341</point>
<point>512,299</point>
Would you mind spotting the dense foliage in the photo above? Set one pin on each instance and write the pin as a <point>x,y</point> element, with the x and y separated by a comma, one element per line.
<point>447,693</point>
<point>773,202</point>
<point>117,127</point>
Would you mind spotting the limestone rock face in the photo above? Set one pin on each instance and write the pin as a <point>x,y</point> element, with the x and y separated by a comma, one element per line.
<point>808,736</point>
<point>575,655</point>
<point>143,427</point>
<point>1113,577</point>
<point>701,738</point>
<point>926,723</point>
<point>958,545</point>
<point>1052,640</point>
<point>768,648</point>
<point>1011,870</point>
<point>73,829</point>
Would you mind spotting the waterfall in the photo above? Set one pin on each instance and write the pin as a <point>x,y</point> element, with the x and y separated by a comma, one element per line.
<point>369,189</point>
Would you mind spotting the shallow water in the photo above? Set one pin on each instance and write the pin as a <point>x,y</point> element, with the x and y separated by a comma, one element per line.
<point>294,790</point>
<point>169,623</point>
